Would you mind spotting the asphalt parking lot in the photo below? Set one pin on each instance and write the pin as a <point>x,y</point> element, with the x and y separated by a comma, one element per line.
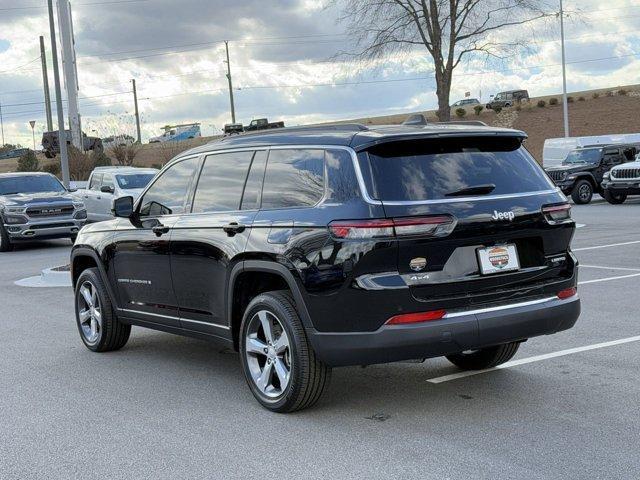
<point>172,407</point>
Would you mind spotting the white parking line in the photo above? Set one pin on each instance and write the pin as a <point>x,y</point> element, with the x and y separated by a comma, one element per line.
<point>537,358</point>
<point>607,279</point>
<point>605,246</point>
<point>602,267</point>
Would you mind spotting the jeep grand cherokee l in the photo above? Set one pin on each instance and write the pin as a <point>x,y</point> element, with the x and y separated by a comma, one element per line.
<point>311,248</point>
<point>36,206</point>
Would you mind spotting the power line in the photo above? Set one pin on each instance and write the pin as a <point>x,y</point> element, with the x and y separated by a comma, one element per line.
<point>212,42</point>
<point>11,70</point>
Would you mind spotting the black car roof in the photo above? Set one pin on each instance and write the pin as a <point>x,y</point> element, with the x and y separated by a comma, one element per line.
<point>356,136</point>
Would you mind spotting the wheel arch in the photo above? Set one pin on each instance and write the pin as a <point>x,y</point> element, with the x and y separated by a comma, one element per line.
<point>272,276</point>
<point>83,258</point>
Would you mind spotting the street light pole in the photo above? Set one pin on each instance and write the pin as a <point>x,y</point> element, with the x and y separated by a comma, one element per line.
<point>62,134</point>
<point>565,109</point>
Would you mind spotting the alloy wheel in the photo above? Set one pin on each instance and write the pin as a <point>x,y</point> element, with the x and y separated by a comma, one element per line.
<point>268,354</point>
<point>584,192</point>
<point>89,313</point>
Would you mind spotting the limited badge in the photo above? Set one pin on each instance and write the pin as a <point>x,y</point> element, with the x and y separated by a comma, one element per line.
<point>498,257</point>
<point>418,264</point>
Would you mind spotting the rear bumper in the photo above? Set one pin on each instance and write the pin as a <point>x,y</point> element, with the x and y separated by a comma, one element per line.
<point>457,332</point>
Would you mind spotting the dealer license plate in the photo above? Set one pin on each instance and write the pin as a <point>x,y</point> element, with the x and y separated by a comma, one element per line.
<point>501,258</point>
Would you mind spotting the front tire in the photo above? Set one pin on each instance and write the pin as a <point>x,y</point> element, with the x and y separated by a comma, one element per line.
<point>485,357</point>
<point>614,199</point>
<point>99,327</point>
<point>5,241</point>
<point>279,364</point>
<point>582,192</point>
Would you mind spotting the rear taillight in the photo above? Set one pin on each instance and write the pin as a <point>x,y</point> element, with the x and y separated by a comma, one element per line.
<point>433,226</point>
<point>567,293</point>
<point>557,213</point>
<point>416,317</point>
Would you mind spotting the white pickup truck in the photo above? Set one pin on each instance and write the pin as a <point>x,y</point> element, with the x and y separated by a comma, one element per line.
<point>108,183</point>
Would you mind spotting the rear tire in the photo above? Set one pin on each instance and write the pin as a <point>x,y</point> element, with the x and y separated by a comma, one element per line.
<point>99,327</point>
<point>614,199</point>
<point>5,241</point>
<point>485,357</point>
<point>281,368</point>
<point>582,192</point>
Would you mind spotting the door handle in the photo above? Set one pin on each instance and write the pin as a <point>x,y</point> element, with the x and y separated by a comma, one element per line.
<point>160,230</point>
<point>233,228</point>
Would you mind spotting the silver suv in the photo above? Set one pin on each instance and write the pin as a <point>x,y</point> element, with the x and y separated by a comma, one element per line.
<point>36,206</point>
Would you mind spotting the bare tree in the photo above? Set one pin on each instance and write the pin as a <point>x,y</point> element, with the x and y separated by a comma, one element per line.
<point>125,154</point>
<point>448,29</point>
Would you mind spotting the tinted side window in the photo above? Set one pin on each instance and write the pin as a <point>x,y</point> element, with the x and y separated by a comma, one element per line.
<point>342,182</point>
<point>221,182</point>
<point>253,188</point>
<point>96,180</point>
<point>294,178</point>
<point>169,192</point>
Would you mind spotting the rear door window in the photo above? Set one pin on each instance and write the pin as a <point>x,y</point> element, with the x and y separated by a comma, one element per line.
<point>441,169</point>
<point>294,178</point>
<point>221,182</point>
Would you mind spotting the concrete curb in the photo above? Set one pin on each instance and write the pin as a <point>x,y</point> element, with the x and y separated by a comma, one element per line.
<point>50,277</point>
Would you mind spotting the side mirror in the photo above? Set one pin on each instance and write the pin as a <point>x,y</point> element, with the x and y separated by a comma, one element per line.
<point>107,189</point>
<point>122,207</point>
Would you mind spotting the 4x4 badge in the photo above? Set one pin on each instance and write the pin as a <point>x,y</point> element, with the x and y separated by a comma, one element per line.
<point>418,264</point>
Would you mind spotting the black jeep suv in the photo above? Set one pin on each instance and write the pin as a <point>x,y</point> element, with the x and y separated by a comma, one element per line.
<point>309,248</point>
<point>581,173</point>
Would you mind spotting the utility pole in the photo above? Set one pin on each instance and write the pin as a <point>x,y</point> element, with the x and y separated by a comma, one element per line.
<point>45,83</point>
<point>62,134</point>
<point>233,108</point>
<point>565,109</point>
<point>135,103</point>
<point>70,71</point>
<point>1,125</point>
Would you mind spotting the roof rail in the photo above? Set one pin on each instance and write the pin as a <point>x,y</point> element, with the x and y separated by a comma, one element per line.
<point>338,127</point>
<point>466,122</point>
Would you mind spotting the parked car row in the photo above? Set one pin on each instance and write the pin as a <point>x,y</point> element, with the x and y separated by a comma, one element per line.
<point>584,171</point>
<point>499,100</point>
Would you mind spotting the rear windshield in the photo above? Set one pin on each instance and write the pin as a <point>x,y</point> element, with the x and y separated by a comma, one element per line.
<point>458,167</point>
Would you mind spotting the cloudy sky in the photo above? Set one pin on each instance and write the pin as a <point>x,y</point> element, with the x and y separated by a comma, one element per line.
<point>286,63</point>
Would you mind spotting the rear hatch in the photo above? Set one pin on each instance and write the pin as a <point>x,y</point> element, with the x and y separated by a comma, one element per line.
<point>477,219</point>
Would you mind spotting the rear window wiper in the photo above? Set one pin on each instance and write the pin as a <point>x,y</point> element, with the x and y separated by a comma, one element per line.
<point>474,190</point>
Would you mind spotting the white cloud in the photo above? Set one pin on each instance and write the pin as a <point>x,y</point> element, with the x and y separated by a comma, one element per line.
<point>191,85</point>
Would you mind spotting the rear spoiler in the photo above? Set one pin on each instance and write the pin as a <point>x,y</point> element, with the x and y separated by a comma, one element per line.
<point>440,134</point>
